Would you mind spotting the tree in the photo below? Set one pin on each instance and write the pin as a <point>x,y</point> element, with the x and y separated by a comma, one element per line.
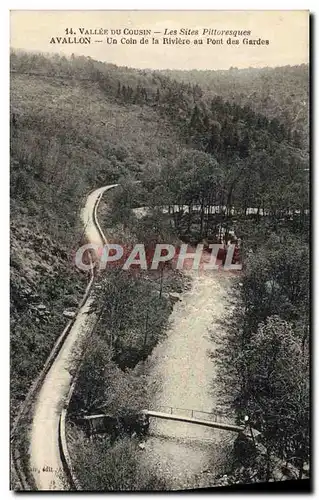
<point>263,360</point>
<point>132,315</point>
<point>276,280</point>
<point>123,201</point>
<point>101,384</point>
<point>193,179</point>
<point>214,140</point>
<point>278,389</point>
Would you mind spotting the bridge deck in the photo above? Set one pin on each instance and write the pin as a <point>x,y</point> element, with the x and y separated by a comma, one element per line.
<point>181,418</point>
<point>176,417</point>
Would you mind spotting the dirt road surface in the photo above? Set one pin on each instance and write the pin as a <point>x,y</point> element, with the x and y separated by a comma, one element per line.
<point>45,461</point>
<point>181,377</point>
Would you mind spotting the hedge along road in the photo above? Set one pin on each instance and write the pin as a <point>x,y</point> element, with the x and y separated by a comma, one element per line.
<point>45,461</point>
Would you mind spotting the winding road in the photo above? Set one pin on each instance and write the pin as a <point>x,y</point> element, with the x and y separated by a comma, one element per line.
<point>45,460</point>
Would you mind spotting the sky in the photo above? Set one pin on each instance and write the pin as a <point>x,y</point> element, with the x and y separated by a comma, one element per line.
<point>287,32</point>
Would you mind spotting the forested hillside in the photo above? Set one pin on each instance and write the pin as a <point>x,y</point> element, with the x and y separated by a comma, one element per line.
<point>68,136</point>
<point>278,93</point>
<point>235,140</point>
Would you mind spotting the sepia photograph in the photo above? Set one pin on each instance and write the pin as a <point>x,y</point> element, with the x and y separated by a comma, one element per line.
<point>160,250</point>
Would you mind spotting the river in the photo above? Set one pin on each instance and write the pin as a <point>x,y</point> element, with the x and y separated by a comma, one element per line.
<point>181,375</point>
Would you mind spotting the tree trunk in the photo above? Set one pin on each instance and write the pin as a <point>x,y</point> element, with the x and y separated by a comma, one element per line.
<point>300,469</point>
<point>202,214</point>
<point>189,218</point>
<point>268,466</point>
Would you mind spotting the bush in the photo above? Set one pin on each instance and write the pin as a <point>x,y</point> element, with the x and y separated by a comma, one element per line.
<point>102,468</point>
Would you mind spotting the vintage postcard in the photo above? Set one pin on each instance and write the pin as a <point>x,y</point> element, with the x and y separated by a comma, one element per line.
<point>159,250</point>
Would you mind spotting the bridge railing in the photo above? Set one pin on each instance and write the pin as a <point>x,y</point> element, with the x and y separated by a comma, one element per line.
<point>214,416</point>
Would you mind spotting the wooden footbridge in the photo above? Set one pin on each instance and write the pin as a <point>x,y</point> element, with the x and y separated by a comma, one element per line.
<point>104,422</point>
<point>208,422</point>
